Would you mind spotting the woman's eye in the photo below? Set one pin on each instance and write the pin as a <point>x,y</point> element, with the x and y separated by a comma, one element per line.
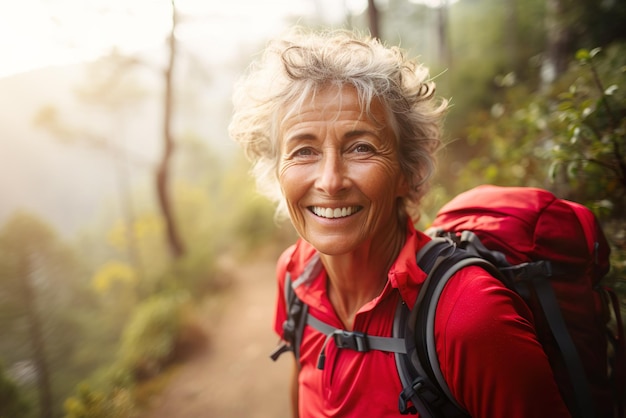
<point>363,148</point>
<point>303,152</point>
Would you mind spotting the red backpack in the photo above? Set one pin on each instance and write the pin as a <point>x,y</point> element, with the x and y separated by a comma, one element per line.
<point>551,251</point>
<point>555,257</point>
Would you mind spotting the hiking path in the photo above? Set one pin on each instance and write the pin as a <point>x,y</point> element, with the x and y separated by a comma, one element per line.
<point>233,376</point>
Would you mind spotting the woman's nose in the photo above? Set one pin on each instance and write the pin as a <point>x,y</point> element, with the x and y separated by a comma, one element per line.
<point>332,174</point>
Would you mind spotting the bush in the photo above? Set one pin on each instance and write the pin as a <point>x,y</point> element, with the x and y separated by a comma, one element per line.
<point>149,341</point>
<point>12,402</point>
<point>589,130</point>
<point>92,403</point>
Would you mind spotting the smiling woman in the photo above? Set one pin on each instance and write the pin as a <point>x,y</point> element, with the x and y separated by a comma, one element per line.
<point>342,132</point>
<point>340,175</point>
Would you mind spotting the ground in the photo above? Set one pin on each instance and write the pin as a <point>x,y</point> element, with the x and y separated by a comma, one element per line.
<point>233,376</point>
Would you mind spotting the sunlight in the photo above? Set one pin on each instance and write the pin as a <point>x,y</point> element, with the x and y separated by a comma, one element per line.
<point>433,3</point>
<point>40,33</point>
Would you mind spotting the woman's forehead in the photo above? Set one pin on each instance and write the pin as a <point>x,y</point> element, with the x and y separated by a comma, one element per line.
<point>332,101</point>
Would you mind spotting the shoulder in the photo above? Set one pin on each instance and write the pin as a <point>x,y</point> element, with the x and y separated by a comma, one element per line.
<point>485,338</point>
<point>475,302</point>
<point>294,259</point>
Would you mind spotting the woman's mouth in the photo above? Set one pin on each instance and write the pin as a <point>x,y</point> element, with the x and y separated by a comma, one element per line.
<point>331,213</point>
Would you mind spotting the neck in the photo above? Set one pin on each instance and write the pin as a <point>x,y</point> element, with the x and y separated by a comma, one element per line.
<point>356,278</point>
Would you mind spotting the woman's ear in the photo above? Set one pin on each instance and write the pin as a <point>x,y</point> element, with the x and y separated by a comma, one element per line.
<point>404,186</point>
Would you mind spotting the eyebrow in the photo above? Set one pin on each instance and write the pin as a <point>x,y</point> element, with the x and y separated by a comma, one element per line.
<point>359,132</point>
<point>300,137</point>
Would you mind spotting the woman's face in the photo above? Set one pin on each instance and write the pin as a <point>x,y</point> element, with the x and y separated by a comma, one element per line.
<point>339,173</point>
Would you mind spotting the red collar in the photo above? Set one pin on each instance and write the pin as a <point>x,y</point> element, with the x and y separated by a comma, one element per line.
<point>404,275</point>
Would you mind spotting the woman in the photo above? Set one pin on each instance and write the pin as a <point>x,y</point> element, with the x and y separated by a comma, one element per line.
<point>342,131</point>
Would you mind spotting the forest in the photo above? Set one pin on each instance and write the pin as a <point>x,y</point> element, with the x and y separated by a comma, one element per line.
<point>90,314</point>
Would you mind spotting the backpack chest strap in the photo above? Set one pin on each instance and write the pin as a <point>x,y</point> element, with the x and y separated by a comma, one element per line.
<point>354,340</point>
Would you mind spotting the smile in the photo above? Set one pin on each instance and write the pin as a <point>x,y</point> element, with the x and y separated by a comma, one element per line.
<point>334,213</point>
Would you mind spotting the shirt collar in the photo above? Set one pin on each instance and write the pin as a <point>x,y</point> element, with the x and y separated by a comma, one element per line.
<point>403,275</point>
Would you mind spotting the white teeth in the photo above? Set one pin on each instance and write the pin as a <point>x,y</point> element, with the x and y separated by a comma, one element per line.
<point>333,213</point>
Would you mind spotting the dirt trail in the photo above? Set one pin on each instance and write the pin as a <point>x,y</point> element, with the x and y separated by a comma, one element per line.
<point>234,376</point>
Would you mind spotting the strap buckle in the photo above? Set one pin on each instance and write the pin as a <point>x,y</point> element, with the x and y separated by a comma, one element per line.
<point>420,397</point>
<point>352,340</point>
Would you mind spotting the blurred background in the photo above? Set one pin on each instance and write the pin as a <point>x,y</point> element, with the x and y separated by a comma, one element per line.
<point>136,259</point>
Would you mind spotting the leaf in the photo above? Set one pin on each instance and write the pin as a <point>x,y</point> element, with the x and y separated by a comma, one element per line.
<point>583,55</point>
<point>552,170</point>
<point>572,169</point>
<point>611,89</point>
<point>564,105</point>
<point>605,203</point>
<point>575,135</point>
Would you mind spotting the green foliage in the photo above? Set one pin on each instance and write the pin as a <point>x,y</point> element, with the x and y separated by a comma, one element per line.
<point>569,138</point>
<point>12,401</point>
<point>149,340</point>
<point>256,223</point>
<point>250,223</point>
<point>616,232</point>
<point>159,332</point>
<point>92,403</point>
<point>41,301</point>
<point>589,126</point>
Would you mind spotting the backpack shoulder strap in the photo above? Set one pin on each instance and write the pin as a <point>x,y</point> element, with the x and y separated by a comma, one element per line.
<point>293,327</point>
<point>420,371</point>
<point>297,311</point>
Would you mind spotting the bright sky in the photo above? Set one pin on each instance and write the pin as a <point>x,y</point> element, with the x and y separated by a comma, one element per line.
<point>39,33</point>
<point>36,33</point>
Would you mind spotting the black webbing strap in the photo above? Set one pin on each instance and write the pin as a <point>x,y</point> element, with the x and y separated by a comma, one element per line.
<point>618,358</point>
<point>442,261</point>
<point>297,311</point>
<point>574,365</point>
<point>424,389</point>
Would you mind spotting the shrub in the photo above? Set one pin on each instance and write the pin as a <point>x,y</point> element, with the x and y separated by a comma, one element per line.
<point>91,403</point>
<point>12,402</point>
<point>149,340</point>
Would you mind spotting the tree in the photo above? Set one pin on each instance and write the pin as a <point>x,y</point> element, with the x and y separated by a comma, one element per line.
<point>25,241</point>
<point>373,19</point>
<point>12,402</point>
<point>558,41</point>
<point>109,86</point>
<point>163,170</point>
<point>442,34</point>
<point>41,304</point>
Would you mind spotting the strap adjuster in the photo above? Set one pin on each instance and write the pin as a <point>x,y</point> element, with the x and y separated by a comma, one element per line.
<point>352,340</point>
<point>420,397</point>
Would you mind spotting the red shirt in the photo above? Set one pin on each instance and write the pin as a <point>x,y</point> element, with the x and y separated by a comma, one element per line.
<point>485,340</point>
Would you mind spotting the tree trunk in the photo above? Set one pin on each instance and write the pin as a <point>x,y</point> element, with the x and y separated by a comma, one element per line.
<point>442,34</point>
<point>162,176</point>
<point>510,28</point>
<point>374,19</point>
<point>557,45</point>
<point>35,330</point>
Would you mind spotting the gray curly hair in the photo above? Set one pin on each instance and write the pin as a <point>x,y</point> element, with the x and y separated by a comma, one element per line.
<point>304,62</point>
